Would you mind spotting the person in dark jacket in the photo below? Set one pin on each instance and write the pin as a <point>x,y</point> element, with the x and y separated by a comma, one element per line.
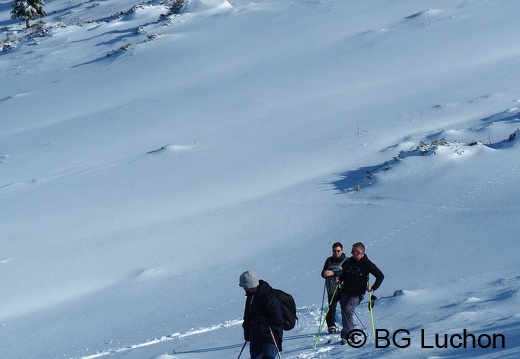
<point>355,275</point>
<point>263,317</point>
<point>332,269</point>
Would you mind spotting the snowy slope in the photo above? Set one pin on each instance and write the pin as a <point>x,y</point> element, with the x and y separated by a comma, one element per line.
<point>147,159</point>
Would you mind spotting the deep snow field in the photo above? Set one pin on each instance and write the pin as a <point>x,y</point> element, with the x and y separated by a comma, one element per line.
<point>147,159</point>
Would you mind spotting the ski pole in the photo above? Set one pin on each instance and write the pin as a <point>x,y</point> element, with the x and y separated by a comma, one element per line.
<point>371,313</point>
<point>323,299</point>
<point>321,325</point>
<point>241,350</point>
<point>360,322</point>
<point>275,345</point>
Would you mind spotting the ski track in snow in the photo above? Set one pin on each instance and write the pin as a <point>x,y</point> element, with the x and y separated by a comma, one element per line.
<point>305,314</point>
<point>79,171</point>
<point>162,339</point>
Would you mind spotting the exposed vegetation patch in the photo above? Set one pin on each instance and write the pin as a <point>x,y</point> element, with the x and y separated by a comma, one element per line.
<point>358,179</point>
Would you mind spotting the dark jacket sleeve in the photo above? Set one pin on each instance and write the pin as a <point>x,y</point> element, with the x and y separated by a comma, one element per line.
<point>266,316</point>
<point>246,324</point>
<point>376,272</point>
<point>274,315</point>
<point>325,267</point>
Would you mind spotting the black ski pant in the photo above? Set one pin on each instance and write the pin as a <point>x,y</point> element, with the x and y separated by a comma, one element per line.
<point>333,304</point>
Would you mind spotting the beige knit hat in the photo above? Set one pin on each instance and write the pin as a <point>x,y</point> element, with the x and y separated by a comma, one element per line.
<point>249,280</point>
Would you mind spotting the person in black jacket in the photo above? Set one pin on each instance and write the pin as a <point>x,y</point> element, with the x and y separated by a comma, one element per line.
<point>332,269</point>
<point>354,277</point>
<point>263,317</point>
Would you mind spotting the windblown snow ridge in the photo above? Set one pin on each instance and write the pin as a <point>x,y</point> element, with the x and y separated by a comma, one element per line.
<point>357,179</point>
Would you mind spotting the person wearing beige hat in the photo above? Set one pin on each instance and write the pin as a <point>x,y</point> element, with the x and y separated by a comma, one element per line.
<point>263,317</point>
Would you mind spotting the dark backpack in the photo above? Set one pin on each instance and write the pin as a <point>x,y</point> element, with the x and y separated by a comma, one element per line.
<point>288,308</point>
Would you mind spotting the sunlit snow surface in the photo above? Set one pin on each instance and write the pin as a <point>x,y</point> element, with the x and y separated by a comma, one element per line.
<point>147,159</point>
